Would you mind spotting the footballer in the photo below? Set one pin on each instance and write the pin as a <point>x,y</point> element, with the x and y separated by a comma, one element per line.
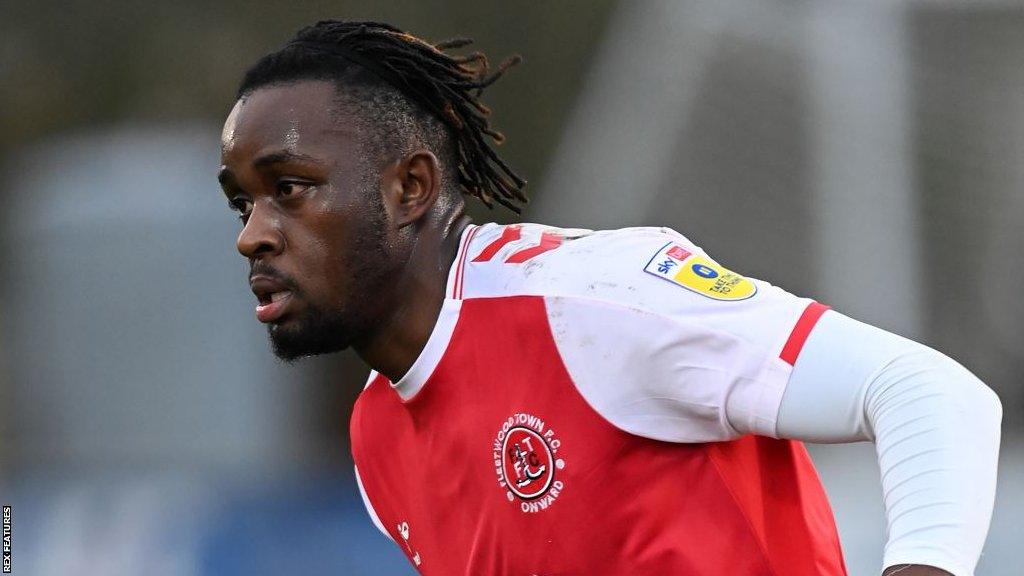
<point>566,401</point>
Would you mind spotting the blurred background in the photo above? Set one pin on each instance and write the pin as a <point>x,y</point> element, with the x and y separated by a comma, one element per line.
<point>867,154</point>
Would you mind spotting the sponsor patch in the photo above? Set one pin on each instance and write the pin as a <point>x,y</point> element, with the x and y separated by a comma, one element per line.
<point>700,274</point>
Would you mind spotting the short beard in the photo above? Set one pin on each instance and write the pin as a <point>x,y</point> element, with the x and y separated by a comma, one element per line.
<point>320,330</point>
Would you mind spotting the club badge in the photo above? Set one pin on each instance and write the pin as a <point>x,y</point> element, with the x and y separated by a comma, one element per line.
<point>527,462</point>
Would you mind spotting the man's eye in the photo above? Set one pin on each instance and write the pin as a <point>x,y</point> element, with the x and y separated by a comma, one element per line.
<point>286,188</point>
<point>241,205</point>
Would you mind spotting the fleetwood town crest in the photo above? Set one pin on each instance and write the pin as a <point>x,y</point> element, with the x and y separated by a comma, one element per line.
<point>527,462</point>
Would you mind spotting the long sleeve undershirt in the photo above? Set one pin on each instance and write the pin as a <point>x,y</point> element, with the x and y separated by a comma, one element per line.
<point>934,424</point>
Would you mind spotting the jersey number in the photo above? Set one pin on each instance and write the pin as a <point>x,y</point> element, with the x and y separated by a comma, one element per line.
<point>548,241</point>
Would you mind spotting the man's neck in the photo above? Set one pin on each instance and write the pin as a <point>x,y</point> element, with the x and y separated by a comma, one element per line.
<point>418,296</point>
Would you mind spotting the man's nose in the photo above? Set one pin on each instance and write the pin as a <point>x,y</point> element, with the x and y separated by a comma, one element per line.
<point>261,235</point>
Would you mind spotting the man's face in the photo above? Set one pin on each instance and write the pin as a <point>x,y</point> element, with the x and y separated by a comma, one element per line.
<point>314,223</point>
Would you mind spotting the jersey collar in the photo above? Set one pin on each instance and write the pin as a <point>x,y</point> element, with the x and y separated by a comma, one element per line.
<point>423,367</point>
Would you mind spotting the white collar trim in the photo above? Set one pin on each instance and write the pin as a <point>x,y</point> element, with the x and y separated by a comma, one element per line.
<point>423,367</point>
<point>430,356</point>
<point>457,273</point>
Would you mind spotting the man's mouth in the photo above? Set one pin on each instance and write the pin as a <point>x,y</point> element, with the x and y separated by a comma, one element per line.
<point>274,307</point>
<point>273,297</point>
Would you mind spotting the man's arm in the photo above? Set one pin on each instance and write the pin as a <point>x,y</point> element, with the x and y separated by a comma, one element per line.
<point>935,427</point>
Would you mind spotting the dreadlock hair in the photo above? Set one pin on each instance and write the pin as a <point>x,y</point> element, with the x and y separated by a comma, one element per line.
<point>409,92</point>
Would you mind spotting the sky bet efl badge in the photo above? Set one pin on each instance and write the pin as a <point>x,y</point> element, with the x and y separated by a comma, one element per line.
<point>699,274</point>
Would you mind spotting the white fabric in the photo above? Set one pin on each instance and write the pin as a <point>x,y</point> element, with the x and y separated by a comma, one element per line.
<point>608,265</point>
<point>432,352</point>
<point>935,428</point>
<point>369,507</point>
<point>663,378</point>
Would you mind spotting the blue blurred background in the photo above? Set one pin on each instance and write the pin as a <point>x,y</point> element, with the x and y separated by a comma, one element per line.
<point>865,154</point>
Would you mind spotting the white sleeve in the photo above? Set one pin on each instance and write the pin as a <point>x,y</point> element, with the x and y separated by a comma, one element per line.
<point>934,424</point>
<point>369,506</point>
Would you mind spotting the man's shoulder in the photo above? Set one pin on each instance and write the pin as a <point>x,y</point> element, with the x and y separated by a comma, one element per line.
<point>655,271</point>
<point>536,259</point>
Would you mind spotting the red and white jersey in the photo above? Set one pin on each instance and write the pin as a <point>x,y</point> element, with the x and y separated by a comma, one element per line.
<point>597,403</point>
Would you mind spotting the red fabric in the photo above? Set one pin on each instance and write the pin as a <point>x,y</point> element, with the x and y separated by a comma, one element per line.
<point>626,504</point>
<point>508,235</point>
<point>788,512</point>
<point>801,331</point>
<point>548,241</point>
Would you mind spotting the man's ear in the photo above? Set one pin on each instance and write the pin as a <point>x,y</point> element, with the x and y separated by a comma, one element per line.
<point>415,188</point>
